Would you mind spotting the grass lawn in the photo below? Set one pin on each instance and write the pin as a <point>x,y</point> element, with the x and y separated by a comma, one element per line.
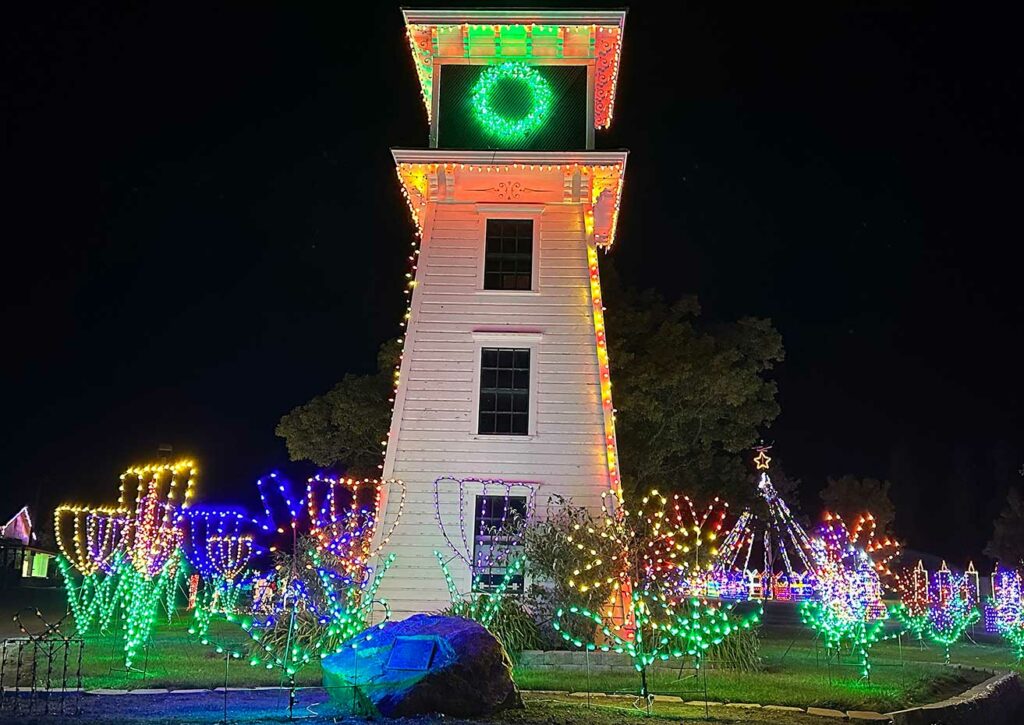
<point>794,674</point>
<point>559,710</point>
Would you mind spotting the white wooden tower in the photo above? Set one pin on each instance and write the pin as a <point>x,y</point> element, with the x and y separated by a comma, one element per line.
<point>505,371</point>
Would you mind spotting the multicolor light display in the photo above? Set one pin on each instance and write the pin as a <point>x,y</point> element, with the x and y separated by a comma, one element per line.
<point>1007,607</point>
<point>161,492</point>
<point>423,179</point>
<point>847,608</point>
<point>507,529</point>
<point>128,555</point>
<point>322,589</point>
<point>496,550</point>
<point>779,539</point>
<point>220,546</point>
<point>913,609</point>
<point>952,606</point>
<point>604,366</point>
<point>645,560</point>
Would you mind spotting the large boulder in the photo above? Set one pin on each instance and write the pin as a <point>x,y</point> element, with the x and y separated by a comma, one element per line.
<point>423,664</point>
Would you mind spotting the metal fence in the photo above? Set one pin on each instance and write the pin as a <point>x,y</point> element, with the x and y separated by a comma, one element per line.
<point>41,670</point>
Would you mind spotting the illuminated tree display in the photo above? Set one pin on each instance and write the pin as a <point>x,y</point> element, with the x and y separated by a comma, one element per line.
<point>96,552</point>
<point>942,606</point>
<point>321,590</point>
<point>219,544</point>
<point>640,559</point>
<point>153,541</point>
<point>494,550</point>
<point>782,540</point>
<point>1008,607</point>
<point>847,608</point>
<point>913,608</point>
<point>128,555</point>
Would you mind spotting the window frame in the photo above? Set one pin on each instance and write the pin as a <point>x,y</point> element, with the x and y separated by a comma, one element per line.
<point>527,340</point>
<point>518,584</point>
<point>509,212</point>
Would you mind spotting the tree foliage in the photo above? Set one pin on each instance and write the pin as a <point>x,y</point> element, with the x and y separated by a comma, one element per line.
<point>692,397</point>
<point>850,496</point>
<point>346,424</point>
<point>1007,542</point>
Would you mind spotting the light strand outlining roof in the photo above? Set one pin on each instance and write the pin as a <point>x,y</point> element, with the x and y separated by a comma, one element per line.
<point>592,37</point>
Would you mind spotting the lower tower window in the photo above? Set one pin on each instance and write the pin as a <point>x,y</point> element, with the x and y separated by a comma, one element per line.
<point>504,391</point>
<point>498,541</point>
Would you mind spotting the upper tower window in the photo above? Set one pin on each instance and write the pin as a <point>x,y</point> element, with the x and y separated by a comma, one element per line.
<point>508,255</point>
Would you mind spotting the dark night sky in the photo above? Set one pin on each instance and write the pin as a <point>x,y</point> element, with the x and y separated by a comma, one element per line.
<point>202,228</point>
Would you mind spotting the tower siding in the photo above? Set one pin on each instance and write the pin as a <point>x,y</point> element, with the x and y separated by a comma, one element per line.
<point>435,433</point>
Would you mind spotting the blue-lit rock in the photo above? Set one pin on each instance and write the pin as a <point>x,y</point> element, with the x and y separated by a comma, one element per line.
<point>424,664</point>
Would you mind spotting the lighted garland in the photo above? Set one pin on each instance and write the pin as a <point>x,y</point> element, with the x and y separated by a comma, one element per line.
<point>496,124</point>
<point>604,43</point>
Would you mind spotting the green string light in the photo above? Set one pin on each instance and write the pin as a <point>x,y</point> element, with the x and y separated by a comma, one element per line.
<point>485,99</point>
<point>348,607</point>
<point>484,607</point>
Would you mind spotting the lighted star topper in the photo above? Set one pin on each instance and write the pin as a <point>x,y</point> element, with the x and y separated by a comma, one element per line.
<point>762,459</point>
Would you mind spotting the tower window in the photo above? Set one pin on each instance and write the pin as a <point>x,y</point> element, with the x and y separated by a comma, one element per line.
<point>498,541</point>
<point>504,391</point>
<point>508,261</point>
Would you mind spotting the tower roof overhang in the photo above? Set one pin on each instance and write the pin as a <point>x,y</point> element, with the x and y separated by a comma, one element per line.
<point>488,36</point>
<point>591,178</point>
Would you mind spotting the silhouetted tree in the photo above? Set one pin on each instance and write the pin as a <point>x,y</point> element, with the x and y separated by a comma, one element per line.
<point>850,496</point>
<point>1007,542</point>
<point>346,424</point>
<point>692,397</point>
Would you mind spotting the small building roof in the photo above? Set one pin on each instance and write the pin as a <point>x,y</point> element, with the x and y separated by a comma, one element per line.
<point>19,527</point>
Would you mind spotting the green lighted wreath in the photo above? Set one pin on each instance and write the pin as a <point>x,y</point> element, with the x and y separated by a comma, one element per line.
<point>484,101</point>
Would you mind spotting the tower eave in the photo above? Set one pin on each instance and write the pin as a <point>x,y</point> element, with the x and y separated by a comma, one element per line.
<point>593,37</point>
<point>591,178</point>
<point>514,16</point>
